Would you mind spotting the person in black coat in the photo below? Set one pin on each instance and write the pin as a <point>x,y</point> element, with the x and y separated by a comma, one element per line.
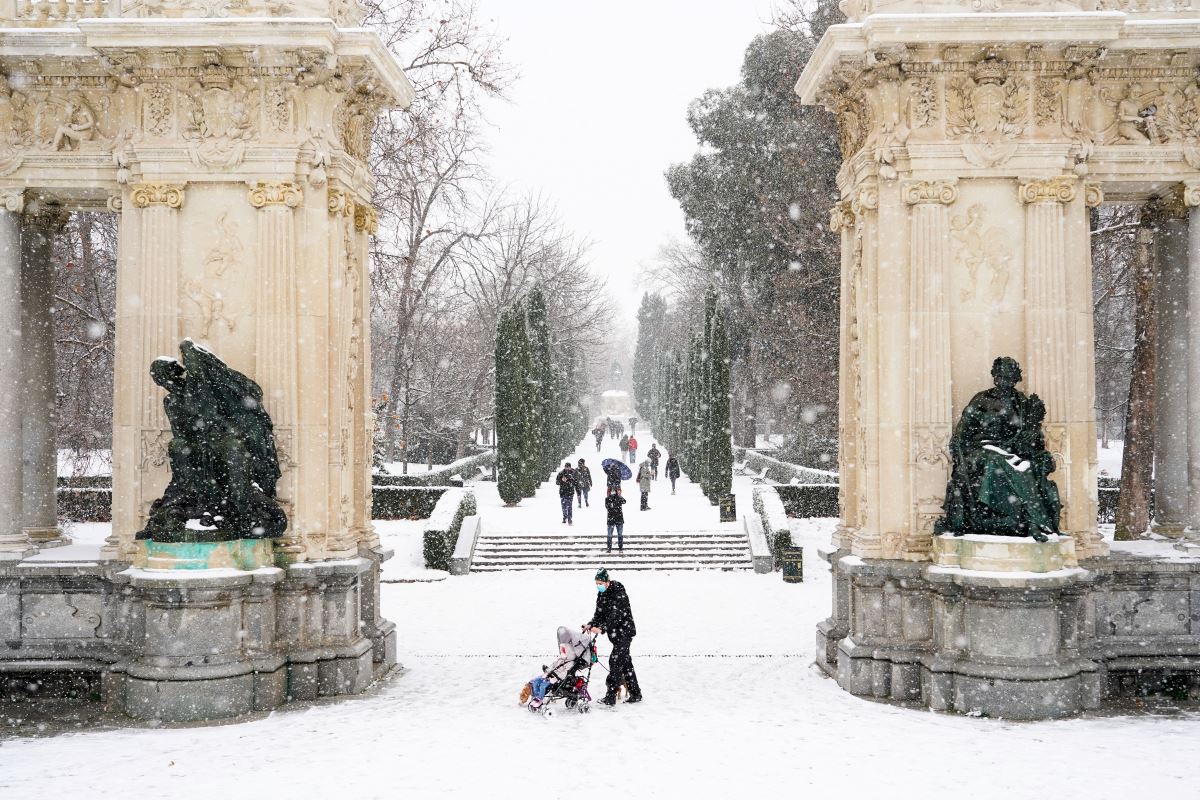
<point>614,617</point>
<point>566,492</point>
<point>615,517</point>
<point>612,477</point>
<point>672,470</point>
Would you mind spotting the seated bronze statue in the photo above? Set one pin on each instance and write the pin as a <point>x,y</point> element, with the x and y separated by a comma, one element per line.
<point>1000,477</point>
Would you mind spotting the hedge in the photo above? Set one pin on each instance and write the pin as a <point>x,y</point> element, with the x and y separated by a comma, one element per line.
<point>464,469</point>
<point>781,472</point>
<point>809,500</point>
<point>441,532</point>
<point>85,504</point>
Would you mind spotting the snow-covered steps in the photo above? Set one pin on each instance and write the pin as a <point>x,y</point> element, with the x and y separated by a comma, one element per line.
<point>680,550</point>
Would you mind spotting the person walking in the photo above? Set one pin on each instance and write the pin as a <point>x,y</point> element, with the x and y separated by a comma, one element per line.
<point>612,427</point>
<point>613,474</point>
<point>633,426</point>
<point>583,483</point>
<point>643,478</point>
<point>614,616</point>
<point>653,454</point>
<point>633,445</point>
<point>598,432</point>
<point>566,492</point>
<point>615,518</point>
<point>624,445</point>
<point>672,470</point>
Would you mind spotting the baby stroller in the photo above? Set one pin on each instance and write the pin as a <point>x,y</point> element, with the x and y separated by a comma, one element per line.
<point>566,679</point>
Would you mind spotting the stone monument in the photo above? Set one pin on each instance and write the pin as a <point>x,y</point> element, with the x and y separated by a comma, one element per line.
<point>231,139</point>
<point>975,139</point>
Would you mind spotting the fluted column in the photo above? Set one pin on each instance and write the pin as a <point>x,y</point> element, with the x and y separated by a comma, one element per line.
<point>930,411</point>
<point>148,304</point>
<point>842,221</point>
<point>1171,371</point>
<point>39,376</point>
<point>14,544</point>
<point>1191,199</point>
<point>366,223</point>
<point>1049,341</point>
<point>276,347</point>
<point>867,539</point>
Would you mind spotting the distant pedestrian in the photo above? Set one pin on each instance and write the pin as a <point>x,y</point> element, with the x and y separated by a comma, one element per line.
<point>643,478</point>
<point>612,427</point>
<point>613,474</point>
<point>566,492</point>
<point>599,434</point>
<point>632,426</point>
<point>672,470</point>
<point>583,483</point>
<point>633,445</point>
<point>615,518</point>
<point>624,445</point>
<point>653,454</point>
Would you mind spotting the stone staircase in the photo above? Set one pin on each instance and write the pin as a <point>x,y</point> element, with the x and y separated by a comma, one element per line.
<point>685,550</point>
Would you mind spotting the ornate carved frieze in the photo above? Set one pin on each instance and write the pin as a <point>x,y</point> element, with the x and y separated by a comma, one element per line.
<point>939,191</point>
<point>1050,190</point>
<point>276,193</point>
<point>144,195</point>
<point>988,112</point>
<point>220,117</point>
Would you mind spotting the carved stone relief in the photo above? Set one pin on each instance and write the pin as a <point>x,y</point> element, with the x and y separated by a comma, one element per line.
<point>980,249</point>
<point>988,113</point>
<point>219,118</point>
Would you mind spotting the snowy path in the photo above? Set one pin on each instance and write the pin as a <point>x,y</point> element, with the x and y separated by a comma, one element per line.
<point>733,709</point>
<point>687,510</point>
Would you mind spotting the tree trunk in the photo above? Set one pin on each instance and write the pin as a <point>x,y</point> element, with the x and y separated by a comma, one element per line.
<point>1137,465</point>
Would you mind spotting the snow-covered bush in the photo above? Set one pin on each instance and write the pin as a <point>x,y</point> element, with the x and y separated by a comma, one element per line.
<point>781,471</point>
<point>441,531</point>
<point>405,502</point>
<point>775,524</point>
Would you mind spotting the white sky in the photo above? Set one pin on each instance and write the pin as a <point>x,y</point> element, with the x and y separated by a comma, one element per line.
<point>599,112</point>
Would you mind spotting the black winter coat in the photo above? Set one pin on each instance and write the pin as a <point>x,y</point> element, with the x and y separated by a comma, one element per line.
<point>613,474</point>
<point>653,454</point>
<point>673,467</point>
<point>583,478</point>
<point>566,482</point>
<point>613,614</point>
<point>612,504</point>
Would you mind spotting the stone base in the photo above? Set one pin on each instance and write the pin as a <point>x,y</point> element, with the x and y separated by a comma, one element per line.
<point>193,645</point>
<point>245,554</point>
<point>47,537</point>
<point>1014,645</point>
<point>988,553</point>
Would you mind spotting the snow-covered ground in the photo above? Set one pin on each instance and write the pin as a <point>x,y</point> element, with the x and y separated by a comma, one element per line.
<point>734,708</point>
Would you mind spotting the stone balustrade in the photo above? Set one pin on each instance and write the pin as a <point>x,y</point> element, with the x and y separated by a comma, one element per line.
<point>41,13</point>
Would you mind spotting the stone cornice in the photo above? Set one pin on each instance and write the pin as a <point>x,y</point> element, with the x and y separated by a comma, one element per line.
<point>939,191</point>
<point>265,194</point>
<point>144,195</point>
<point>1049,190</point>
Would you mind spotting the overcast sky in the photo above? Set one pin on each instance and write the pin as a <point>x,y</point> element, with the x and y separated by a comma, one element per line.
<point>600,111</point>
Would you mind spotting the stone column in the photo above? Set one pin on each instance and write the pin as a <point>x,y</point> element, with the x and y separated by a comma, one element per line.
<point>147,327</point>
<point>1049,336</point>
<point>1171,371</point>
<point>842,221</point>
<point>929,406</point>
<point>39,376</point>
<point>14,544</point>
<point>1191,199</point>
<point>276,346</point>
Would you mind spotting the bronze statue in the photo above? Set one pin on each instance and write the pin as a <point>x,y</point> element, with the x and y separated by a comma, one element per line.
<point>1000,478</point>
<point>224,466</point>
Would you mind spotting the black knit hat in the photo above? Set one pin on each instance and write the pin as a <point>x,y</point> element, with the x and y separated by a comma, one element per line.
<point>602,575</point>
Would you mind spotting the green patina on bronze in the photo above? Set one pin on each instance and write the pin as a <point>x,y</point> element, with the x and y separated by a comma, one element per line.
<point>1000,479</point>
<point>224,466</point>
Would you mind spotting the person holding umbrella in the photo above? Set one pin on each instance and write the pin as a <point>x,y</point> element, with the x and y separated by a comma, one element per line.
<point>615,472</point>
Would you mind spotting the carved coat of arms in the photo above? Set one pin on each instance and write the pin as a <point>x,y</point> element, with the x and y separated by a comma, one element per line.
<point>989,113</point>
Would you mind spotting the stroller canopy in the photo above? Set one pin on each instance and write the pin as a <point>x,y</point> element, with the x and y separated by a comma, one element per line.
<point>574,644</point>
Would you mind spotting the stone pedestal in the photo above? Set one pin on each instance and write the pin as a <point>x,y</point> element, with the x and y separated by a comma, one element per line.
<point>1011,554</point>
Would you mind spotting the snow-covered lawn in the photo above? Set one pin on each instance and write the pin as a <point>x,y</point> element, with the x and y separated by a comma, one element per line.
<point>733,709</point>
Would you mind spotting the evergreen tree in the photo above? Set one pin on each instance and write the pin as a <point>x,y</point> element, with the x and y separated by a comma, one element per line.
<point>545,388</point>
<point>720,447</point>
<point>531,469</point>
<point>510,411</point>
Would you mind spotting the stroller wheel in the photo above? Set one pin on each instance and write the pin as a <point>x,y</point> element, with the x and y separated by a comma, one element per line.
<point>548,712</point>
<point>583,708</point>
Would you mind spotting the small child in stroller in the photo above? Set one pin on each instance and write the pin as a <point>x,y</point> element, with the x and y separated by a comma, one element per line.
<point>561,679</point>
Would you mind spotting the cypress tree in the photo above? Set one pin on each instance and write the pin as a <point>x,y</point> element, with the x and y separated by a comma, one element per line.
<point>544,387</point>
<point>510,419</point>
<point>720,448</point>
<point>531,469</point>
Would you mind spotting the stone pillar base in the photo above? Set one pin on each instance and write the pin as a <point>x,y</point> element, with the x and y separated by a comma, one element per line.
<point>1013,645</point>
<point>47,537</point>
<point>1170,530</point>
<point>1004,553</point>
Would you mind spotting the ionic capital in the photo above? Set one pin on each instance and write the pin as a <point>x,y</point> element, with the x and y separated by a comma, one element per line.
<point>1050,190</point>
<point>841,216</point>
<point>365,218</point>
<point>866,198</point>
<point>1093,195</point>
<point>1191,194</point>
<point>114,203</point>
<point>943,191</point>
<point>12,200</point>
<point>341,203</point>
<point>265,194</point>
<point>144,195</point>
